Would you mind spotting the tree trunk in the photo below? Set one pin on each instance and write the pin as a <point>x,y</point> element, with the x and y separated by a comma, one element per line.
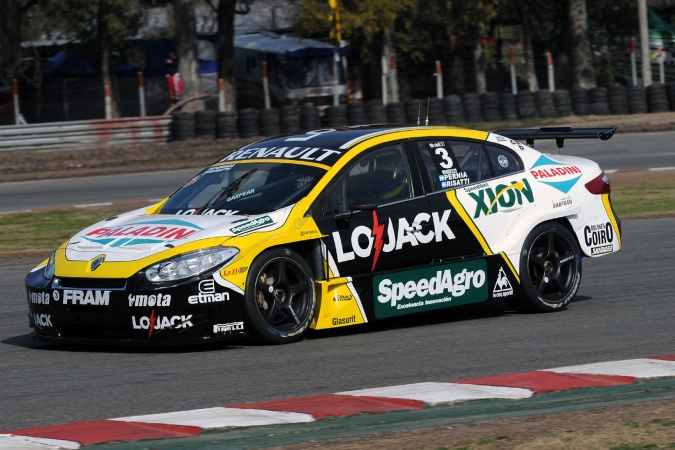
<point>528,50</point>
<point>10,40</point>
<point>106,69</point>
<point>583,74</point>
<point>455,77</point>
<point>186,50</point>
<point>390,58</point>
<point>479,66</point>
<point>225,45</point>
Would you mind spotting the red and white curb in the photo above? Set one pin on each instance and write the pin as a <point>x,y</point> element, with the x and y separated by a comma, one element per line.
<point>309,409</point>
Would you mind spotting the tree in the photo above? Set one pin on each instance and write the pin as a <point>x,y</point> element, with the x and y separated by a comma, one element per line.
<point>12,17</point>
<point>226,11</point>
<point>583,74</point>
<point>186,50</point>
<point>100,28</point>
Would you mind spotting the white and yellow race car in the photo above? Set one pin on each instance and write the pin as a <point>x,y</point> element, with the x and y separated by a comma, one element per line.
<point>332,228</point>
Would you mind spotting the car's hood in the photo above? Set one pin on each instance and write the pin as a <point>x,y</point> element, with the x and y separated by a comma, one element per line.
<point>137,235</point>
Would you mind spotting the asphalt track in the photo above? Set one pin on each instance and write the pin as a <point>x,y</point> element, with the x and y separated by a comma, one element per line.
<point>623,311</point>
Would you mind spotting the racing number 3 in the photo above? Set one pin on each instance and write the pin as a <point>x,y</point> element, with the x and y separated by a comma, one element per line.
<point>447,160</point>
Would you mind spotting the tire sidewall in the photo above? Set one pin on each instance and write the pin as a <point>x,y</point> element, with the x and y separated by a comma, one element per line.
<point>260,328</point>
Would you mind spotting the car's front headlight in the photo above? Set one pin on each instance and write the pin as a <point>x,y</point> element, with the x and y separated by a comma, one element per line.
<point>189,264</point>
<point>49,269</point>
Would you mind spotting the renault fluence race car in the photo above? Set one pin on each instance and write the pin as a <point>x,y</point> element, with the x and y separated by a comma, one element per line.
<point>332,228</point>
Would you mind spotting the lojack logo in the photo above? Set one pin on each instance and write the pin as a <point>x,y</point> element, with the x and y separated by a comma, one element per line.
<point>153,322</point>
<point>396,236</point>
<point>489,200</point>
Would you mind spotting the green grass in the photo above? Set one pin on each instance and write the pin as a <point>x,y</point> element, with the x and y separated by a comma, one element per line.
<point>45,231</point>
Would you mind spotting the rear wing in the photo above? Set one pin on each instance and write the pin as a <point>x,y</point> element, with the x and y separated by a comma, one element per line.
<point>557,133</point>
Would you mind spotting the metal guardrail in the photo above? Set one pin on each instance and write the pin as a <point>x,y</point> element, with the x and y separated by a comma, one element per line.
<point>85,133</point>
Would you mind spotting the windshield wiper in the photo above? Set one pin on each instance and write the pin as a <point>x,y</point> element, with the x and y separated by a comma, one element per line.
<point>230,188</point>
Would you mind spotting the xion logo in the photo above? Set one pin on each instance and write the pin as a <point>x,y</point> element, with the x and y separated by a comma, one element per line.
<point>489,200</point>
<point>153,322</point>
<point>561,176</point>
<point>396,235</point>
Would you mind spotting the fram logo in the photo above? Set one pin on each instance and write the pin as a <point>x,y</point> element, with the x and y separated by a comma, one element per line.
<point>558,175</point>
<point>489,200</point>
<point>394,235</point>
<point>143,233</point>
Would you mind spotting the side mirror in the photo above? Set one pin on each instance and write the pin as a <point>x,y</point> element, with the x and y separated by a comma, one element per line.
<point>362,205</point>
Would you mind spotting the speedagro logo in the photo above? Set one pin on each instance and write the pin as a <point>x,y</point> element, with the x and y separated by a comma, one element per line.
<point>430,288</point>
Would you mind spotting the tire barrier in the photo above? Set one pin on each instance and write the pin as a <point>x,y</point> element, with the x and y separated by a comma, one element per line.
<point>637,100</point>
<point>226,125</point>
<point>269,122</point>
<point>247,123</point>
<point>450,110</point>
<point>657,98</point>
<point>618,102</point>
<point>205,124</point>
<point>670,89</point>
<point>580,101</point>
<point>183,126</point>
<point>395,113</point>
<point>545,106</point>
<point>376,111</point>
<point>526,105</point>
<point>489,106</point>
<point>507,106</point>
<point>415,110</point>
<point>289,119</point>
<point>454,111</point>
<point>356,113</point>
<point>598,99</point>
<point>335,116</point>
<point>471,106</point>
<point>562,102</point>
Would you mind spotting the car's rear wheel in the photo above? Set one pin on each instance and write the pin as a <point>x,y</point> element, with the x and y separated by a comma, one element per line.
<point>280,296</point>
<point>550,269</point>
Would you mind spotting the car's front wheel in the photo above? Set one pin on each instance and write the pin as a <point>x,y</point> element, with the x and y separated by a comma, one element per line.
<point>280,296</point>
<point>550,272</point>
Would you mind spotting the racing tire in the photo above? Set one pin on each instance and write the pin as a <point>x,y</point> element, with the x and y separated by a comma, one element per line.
<point>550,273</point>
<point>280,299</point>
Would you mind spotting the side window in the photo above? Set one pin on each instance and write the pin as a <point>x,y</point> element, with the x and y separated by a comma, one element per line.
<point>503,162</point>
<point>451,163</point>
<point>381,176</point>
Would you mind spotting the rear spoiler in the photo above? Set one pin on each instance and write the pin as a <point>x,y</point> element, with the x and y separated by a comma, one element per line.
<point>558,133</point>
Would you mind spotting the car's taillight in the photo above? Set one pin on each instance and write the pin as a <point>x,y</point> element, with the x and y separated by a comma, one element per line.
<point>599,185</point>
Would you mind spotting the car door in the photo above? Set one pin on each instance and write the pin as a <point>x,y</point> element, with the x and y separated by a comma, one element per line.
<point>481,186</point>
<point>389,225</point>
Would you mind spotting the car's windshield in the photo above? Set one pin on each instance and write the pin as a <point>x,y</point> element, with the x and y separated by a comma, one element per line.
<point>243,188</point>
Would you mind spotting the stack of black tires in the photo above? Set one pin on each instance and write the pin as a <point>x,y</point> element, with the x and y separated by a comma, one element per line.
<point>449,110</point>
